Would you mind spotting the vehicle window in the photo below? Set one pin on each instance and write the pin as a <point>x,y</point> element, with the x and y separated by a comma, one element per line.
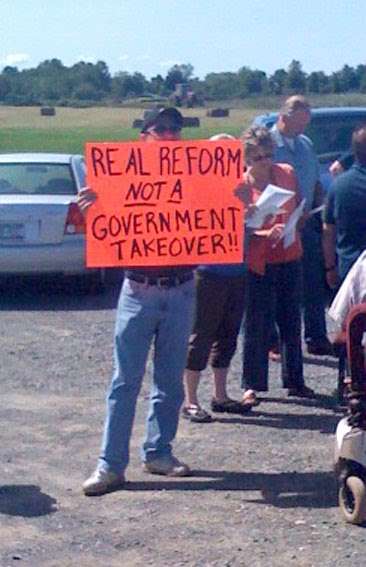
<point>332,134</point>
<point>80,169</point>
<point>36,179</point>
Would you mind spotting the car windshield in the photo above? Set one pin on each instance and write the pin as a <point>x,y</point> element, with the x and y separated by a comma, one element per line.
<point>332,134</point>
<point>36,179</point>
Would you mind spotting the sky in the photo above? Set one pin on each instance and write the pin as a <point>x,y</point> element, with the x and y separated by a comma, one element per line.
<point>212,35</point>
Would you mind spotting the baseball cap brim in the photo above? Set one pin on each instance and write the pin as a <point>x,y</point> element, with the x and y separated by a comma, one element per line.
<point>154,116</point>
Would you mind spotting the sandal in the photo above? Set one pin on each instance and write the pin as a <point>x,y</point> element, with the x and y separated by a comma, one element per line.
<point>195,414</point>
<point>229,406</point>
<point>250,399</point>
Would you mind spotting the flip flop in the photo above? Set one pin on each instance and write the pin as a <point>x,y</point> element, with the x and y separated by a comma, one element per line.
<point>230,406</point>
<point>195,414</point>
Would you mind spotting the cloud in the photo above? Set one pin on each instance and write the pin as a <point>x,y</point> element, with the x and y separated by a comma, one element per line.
<point>144,58</point>
<point>86,58</point>
<point>15,58</point>
<point>169,63</point>
<point>123,57</point>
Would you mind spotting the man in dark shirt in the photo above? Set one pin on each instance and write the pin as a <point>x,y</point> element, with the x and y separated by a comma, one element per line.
<point>344,234</point>
<point>155,306</point>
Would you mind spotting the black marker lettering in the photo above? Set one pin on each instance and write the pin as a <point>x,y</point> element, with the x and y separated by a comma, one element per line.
<point>161,246</point>
<point>135,250</point>
<point>233,211</point>
<point>148,246</point>
<point>217,243</point>
<point>97,160</point>
<point>202,241</point>
<point>111,162</point>
<point>99,232</point>
<point>234,159</point>
<point>175,247</point>
<point>219,160</point>
<point>164,159</point>
<point>183,219</point>
<point>114,226</point>
<point>191,152</point>
<point>198,220</point>
<point>118,244</point>
<point>216,220</point>
<point>201,165</point>
<point>150,222</point>
<point>177,191</point>
<point>176,160</point>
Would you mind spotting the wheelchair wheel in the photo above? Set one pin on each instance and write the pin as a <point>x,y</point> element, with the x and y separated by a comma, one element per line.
<point>352,500</point>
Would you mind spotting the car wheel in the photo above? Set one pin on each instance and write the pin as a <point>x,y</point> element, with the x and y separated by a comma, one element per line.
<point>352,500</point>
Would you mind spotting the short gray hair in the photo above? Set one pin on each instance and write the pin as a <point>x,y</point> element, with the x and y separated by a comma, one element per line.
<point>293,104</point>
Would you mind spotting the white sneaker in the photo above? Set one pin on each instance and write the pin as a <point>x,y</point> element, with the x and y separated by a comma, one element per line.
<point>168,466</point>
<point>102,481</point>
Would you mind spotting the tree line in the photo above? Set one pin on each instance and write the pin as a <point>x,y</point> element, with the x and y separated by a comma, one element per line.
<point>85,83</point>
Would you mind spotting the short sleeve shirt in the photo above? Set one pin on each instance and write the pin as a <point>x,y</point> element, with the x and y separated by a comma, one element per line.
<point>302,157</point>
<point>352,292</point>
<point>259,248</point>
<point>346,209</point>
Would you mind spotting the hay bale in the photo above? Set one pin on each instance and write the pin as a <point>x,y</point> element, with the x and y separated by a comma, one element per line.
<point>191,122</point>
<point>218,112</point>
<point>48,111</point>
<point>188,122</point>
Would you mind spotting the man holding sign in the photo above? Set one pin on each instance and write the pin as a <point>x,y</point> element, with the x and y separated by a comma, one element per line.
<point>142,219</point>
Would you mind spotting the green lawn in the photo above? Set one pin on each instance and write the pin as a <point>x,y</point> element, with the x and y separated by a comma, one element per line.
<point>72,140</point>
<point>23,129</point>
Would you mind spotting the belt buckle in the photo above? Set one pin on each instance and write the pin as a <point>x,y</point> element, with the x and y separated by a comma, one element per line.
<point>163,282</point>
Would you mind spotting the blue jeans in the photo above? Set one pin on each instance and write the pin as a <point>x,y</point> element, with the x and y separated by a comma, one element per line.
<point>145,315</point>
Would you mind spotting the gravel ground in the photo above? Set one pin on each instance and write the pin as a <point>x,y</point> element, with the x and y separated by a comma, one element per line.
<point>262,491</point>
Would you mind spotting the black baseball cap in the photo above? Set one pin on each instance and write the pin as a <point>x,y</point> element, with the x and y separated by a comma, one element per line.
<point>153,117</point>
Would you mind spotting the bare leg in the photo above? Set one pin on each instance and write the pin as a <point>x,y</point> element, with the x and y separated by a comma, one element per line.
<point>191,381</point>
<point>220,377</point>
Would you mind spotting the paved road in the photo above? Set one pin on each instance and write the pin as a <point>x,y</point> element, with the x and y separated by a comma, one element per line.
<point>262,492</point>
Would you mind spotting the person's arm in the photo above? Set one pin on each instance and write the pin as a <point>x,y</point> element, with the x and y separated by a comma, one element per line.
<point>344,162</point>
<point>330,258</point>
<point>336,168</point>
<point>329,240</point>
<point>319,195</point>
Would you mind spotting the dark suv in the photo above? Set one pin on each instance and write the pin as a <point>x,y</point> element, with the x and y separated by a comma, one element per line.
<point>330,130</point>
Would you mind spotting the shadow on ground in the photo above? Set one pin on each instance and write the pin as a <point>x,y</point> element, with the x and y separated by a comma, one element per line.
<point>55,294</point>
<point>325,424</point>
<point>283,490</point>
<point>25,500</point>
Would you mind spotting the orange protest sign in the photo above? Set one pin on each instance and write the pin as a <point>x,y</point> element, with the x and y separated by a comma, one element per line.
<point>164,203</point>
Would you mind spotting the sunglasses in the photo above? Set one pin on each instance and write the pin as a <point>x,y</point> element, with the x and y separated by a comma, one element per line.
<point>161,129</point>
<point>261,157</point>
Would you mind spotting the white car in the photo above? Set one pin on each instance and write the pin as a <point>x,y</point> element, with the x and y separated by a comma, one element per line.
<point>42,230</point>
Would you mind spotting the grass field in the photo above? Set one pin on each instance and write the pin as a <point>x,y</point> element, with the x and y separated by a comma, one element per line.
<point>24,129</point>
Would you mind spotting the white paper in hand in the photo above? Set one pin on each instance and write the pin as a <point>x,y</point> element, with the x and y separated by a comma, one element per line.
<point>289,231</point>
<point>268,204</point>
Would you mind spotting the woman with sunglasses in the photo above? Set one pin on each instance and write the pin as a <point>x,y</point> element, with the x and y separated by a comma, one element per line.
<point>273,287</point>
